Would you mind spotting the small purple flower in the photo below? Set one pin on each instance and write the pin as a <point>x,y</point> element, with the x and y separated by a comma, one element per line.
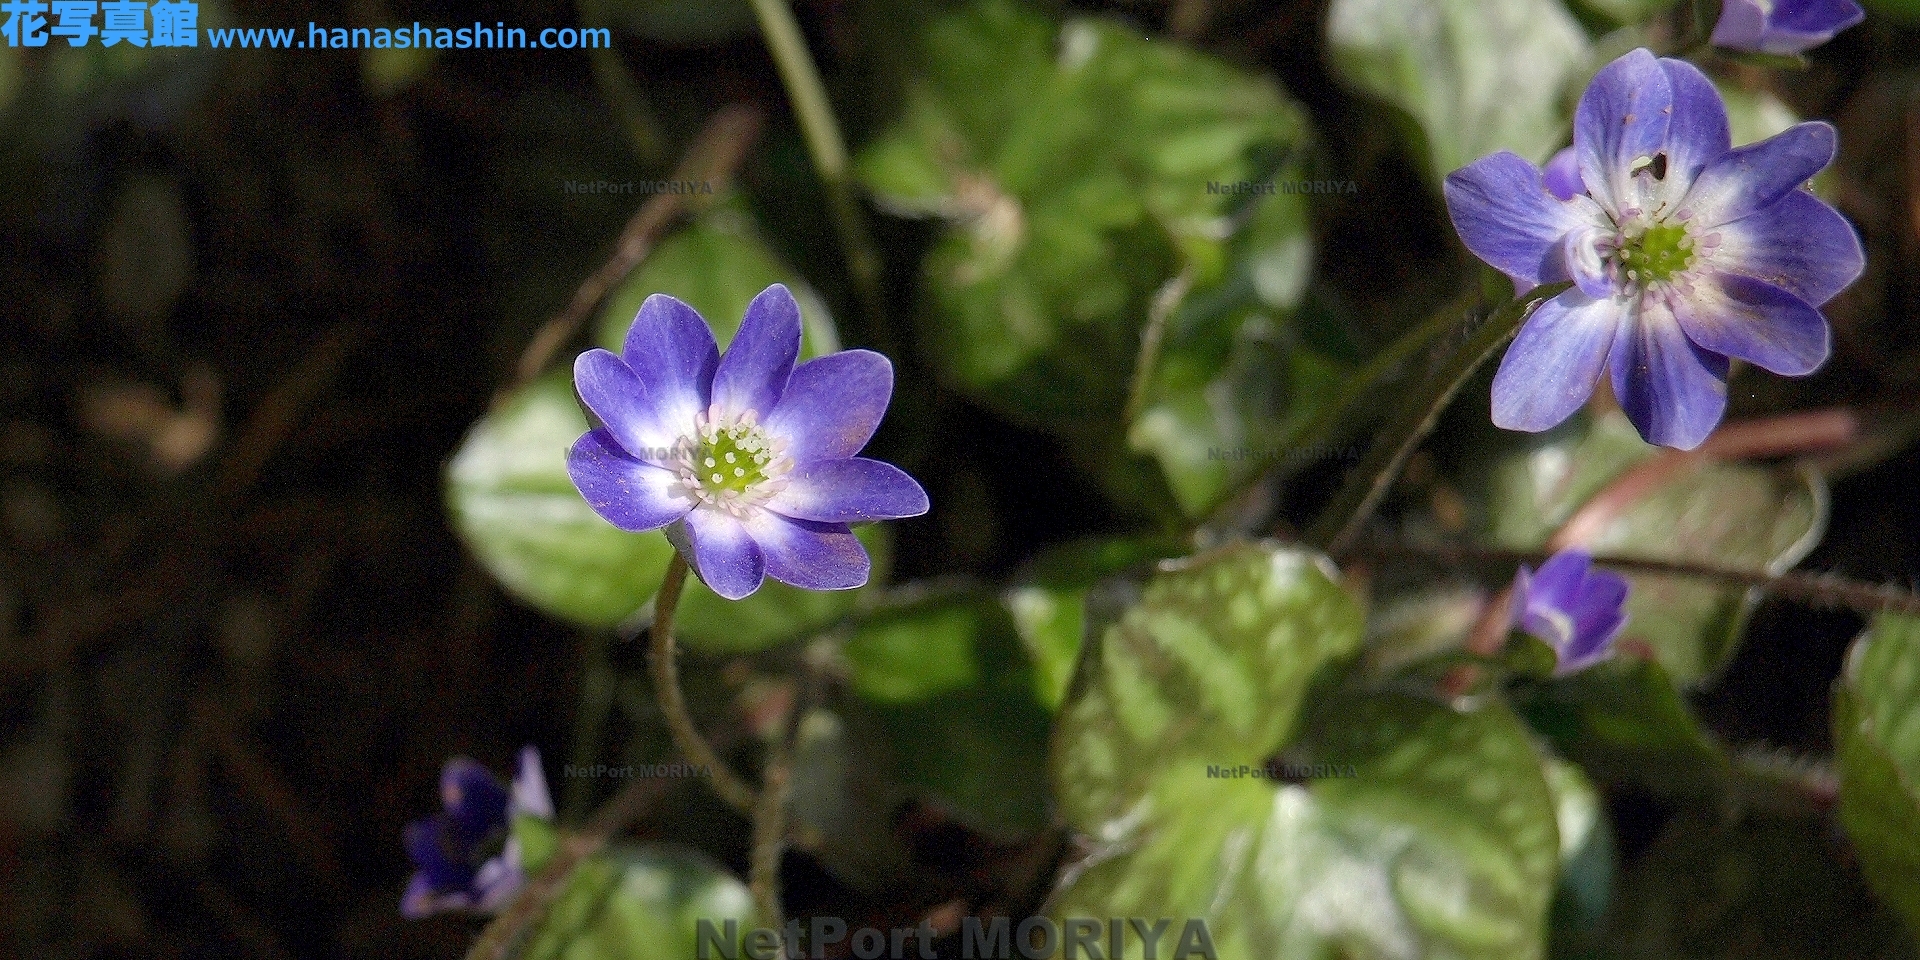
<point>1573,608</point>
<point>465,857</point>
<point>1784,27</point>
<point>1683,251</point>
<point>746,460</point>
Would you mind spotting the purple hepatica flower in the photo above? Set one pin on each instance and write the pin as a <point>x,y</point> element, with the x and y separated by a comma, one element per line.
<point>746,460</point>
<point>450,851</point>
<point>1784,27</point>
<point>1683,251</point>
<point>1573,608</point>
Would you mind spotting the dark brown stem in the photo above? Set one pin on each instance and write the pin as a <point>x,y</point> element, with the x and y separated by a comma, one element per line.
<point>1821,590</point>
<point>673,703</point>
<point>715,155</point>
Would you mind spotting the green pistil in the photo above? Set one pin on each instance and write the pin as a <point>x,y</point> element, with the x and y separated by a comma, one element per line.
<point>733,460</point>
<point>1658,254</point>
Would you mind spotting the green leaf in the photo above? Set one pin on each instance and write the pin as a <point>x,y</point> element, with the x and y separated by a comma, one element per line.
<point>1628,12</point>
<point>1074,168</point>
<point>1720,884</point>
<point>539,840</point>
<point>949,688</point>
<point>1731,515</point>
<point>1586,856</point>
<point>904,656</point>
<point>1210,665</point>
<point>1438,839</point>
<point>516,508</point>
<point>716,265</point>
<point>1624,721</point>
<point>1476,76</point>
<point>1049,606</point>
<point>776,613</point>
<point>845,794</point>
<point>640,903</point>
<point>1421,831</point>
<point>1876,726</point>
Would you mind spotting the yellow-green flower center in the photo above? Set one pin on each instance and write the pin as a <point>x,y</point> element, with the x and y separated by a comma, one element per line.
<point>1657,254</point>
<point>731,463</point>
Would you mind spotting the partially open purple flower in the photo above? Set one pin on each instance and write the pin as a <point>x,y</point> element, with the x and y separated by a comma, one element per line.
<point>746,460</point>
<point>1573,608</point>
<point>1683,251</point>
<point>465,858</point>
<point>1783,26</point>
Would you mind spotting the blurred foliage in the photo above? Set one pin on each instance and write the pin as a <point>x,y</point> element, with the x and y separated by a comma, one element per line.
<point>263,311</point>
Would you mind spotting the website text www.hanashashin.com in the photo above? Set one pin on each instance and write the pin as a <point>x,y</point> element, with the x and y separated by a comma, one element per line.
<point>176,23</point>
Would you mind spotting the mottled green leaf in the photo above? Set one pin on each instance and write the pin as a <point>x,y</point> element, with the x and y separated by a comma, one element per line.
<point>1398,827</point>
<point>1877,731</point>
<point>1586,856</point>
<point>1048,606</point>
<point>1210,665</point>
<point>516,508</point>
<point>639,903</point>
<point>1476,76</point>
<point>1725,514</point>
<point>1081,170</point>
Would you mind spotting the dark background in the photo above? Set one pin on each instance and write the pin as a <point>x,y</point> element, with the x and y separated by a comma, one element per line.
<point>228,678</point>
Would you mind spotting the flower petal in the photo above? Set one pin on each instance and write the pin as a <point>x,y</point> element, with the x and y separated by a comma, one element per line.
<point>630,494</point>
<point>1673,391</point>
<point>1757,322</point>
<point>1800,245</point>
<point>810,555</point>
<point>475,801</point>
<point>1503,212</point>
<point>833,404</point>
<point>1783,28</point>
<point>671,351</point>
<point>422,900</point>
<point>530,794</point>
<point>1622,119</point>
<point>615,395</point>
<point>428,846</point>
<point>1697,132</point>
<point>1587,261</point>
<point>1562,174</point>
<point>1598,613</point>
<point>754,372</point>
<point>849,491</point>
<point>1758,175</point>
<point>721,552</point>
<point>1553,364</point>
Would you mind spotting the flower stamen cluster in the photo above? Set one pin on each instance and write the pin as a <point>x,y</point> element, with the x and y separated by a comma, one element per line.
<point>731,463</point>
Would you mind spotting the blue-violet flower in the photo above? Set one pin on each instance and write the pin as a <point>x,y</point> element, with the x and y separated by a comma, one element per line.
<point>466,858</point>
<point>1683,251</point>
<point>1783,26</point>
<point>747,460</point>
<point>1573,608</point>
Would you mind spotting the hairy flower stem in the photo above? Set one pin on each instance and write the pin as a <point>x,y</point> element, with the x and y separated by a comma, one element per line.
<point>769,835</point>
<point>1327,426</point>
<point>1813,589</point>
<point>1368,484</point>
<point>829,152</point>
<point>673,703</point>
